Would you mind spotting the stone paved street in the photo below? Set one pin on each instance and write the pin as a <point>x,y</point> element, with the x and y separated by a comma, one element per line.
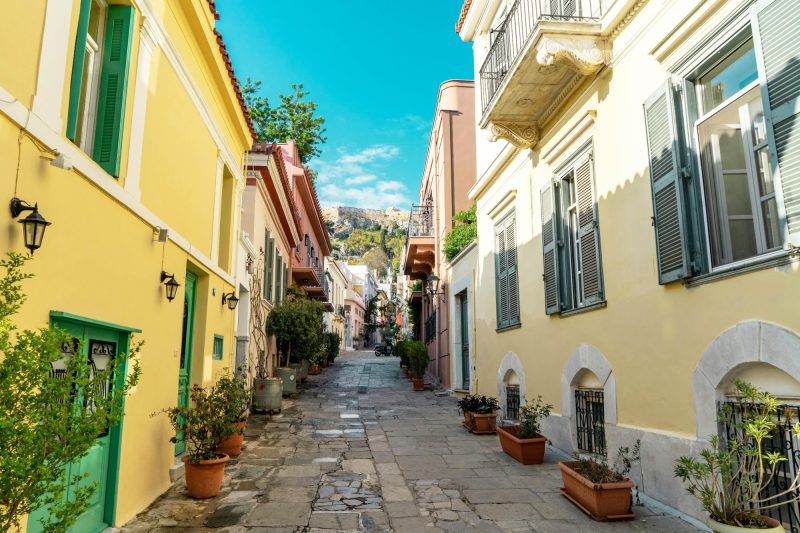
<point>358,450</point>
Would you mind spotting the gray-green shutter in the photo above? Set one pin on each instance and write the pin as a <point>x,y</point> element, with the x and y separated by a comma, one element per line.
<point>113,88</point>
<point>78,58</point>
<point>669,217</point>
<point>501,273</point>
<point>588,232</point>
<point>269,260</point>
<point>286,279</point>
<point>775,26</point>
<point>552,299</point>
<point>512,277</point>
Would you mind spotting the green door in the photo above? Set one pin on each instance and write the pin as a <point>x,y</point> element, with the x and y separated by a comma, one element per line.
<point>464,322</point>
<point>102,345</point>
<point>184,374</point>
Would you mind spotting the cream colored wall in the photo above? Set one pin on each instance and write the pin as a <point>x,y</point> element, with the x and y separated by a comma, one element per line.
<point>21,29</point>
<point>652,336</point>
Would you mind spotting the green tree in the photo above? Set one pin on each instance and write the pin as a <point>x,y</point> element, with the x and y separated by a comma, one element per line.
<point>46,421</point>
<point>296,324</point>
<point>377,260</point>
<point>464,232</point>
<point>295,117</point>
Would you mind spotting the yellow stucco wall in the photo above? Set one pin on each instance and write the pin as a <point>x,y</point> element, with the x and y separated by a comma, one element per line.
<point>99,259</point>
<point>652,336</point>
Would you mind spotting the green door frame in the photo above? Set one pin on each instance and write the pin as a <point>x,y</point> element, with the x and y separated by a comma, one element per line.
<point>115,433</point>
<point>187,327</point>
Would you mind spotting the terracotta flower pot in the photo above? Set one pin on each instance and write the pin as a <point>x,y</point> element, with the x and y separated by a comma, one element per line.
<point>314,370</point>
<point>603,501</point>
<point>484,422</point>
<point>411,375</point>
<point>419,384</point>
<point>204,478</point>
<point>526,451</point>
<point>468,419</point>
<point>717,527</point>
<point>232,446</point>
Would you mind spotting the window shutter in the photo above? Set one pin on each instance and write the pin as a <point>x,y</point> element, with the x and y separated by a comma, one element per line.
<point>778,41</point>
<point>278,278</point>
<point>552,300</point>
<point>78,57</point>
<point>501,276</point>
<point>269,259</point>
<point>588,232</point>
<point>113,88</point>
<point>285,279</point>
<point>668,202</point>
<point>512,278</point>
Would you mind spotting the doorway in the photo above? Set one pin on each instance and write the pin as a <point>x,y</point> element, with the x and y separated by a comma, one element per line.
<point>187,336</point>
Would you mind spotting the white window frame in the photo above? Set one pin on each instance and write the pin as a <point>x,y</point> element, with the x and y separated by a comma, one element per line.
<point>90,93</point>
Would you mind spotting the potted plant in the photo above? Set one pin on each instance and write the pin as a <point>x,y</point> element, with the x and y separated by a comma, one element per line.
<point>467,406</point>
<point>484,417</point>
<point>236,396</point>
<point>524,441</point>
<point>734,478</point>
<point>315,363</point>
<point>332,346</point>
<point>418,359</point>
<point>203,427</point>
<point>602,492</point>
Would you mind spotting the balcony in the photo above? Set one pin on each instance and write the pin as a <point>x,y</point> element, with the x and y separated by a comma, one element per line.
<point>419,254</point>
<point>538,56</point>
<point>314,281</point>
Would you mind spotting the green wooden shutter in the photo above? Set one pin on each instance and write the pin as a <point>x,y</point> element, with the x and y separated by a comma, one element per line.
<point>588,232</point>
<point>778,42</point>
<point>669,216</point>
<point>501,274</point>
<point>512,278</point>
<point>269,260</point>
<point>286,278</point>
<point>278,278</point>
<point>552,298</point>
<point>78,57</point>
<point>113,88</point>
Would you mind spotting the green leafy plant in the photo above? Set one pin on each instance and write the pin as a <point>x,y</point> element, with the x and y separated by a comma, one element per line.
<point>203,424</point>
<point>400,351</point>
<point>236,395</point>
<point>598,471</point>
<point>332,345</point>
<point>296,324</point>
<point>417,354</point>
<point>530,416</point>
<point>732,478</point>
<point>49,419</point>
<point>464,232</point>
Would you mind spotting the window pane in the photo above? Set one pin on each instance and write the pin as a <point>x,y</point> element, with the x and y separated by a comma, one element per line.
<point>764,172</point>
<point>737,195</point>
<point>729,77</point>
<point>731,149</point>
<point>743,239</point>
<point>759,126</point>
<point>771,223</point>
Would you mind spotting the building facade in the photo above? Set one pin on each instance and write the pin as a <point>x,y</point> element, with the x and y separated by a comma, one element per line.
<point>640,160</point>
<point>354,312</point>
<point>98,104</point>
<point>448,174</point>
<point>335,320</point>
<point>364,283</point>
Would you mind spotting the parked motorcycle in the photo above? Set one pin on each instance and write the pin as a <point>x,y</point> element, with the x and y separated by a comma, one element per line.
<point>383,350</point>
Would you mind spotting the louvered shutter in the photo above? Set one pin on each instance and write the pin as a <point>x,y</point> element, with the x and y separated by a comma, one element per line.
<point>278,278</point>
<point>269,259</point>
<point>512,278</point>
<point>113,88</point>
<point>778,41</point>
<point>552,300</point>
<point>78,58</point>
<point>501,273</point>
<point>588,233</point>
<point>285,279</point>
<point>668,201</point>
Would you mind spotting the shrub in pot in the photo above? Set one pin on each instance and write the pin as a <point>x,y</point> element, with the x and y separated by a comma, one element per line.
<point>236,397</point>
<point>203,427</point>
<point>734,478</point>
<point>467,406</point>
<point>332,346</point>
<point>400,350</point>
<point>315,364</point>
<point>484,416</point>
<point>418,359</point>
<point>600,490</point>
<point>524,441</point>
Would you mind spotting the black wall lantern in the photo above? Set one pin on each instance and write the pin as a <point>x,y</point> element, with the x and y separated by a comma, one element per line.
<point>307,240</point>
<point>433,284</point>
<point>33,225</point>
<point>171,285</point>
<point>230,299</point>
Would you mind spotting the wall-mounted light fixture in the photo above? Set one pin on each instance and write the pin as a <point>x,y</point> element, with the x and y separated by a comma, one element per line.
<point>231,299</point>
<point>432,286</point>
<point>171,285</point>
<point>33,225</point>
<point>308,240</point>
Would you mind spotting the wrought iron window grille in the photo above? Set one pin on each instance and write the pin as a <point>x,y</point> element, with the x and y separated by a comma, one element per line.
<point>590,420</point>
<point>512,402</point>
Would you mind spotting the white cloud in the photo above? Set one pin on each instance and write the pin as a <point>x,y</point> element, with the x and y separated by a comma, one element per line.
<point>358,179</point>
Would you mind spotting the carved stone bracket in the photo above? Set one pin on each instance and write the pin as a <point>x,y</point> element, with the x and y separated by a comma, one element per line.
<point>520,134</point>
<point>584,54</point>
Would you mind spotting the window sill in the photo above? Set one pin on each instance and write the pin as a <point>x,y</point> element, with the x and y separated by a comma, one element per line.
<point>586,309</point>
<point>772,261</point>
<point>508,328</point>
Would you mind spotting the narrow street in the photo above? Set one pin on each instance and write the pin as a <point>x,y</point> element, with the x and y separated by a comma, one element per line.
<point>358,450</point>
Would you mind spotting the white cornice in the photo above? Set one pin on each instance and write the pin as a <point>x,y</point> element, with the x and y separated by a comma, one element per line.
<point>478,18</point>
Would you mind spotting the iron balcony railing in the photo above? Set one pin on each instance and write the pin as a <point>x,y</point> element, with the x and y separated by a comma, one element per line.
<point>513,34</point>
<point>420,222</point>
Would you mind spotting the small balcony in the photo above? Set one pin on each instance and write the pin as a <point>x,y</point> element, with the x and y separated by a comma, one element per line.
<point>314,281</point>
<point>419,254</point>
<point>538,56</point>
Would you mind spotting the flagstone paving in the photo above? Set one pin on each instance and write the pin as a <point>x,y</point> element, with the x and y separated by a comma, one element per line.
<point>357,450</point>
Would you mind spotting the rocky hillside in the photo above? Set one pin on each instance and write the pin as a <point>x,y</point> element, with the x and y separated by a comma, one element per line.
<point>342,221</point>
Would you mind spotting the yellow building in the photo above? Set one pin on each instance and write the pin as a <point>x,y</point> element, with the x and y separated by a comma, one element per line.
<point>123,122</point>
<point>335,320</point>
<point>638,216</point>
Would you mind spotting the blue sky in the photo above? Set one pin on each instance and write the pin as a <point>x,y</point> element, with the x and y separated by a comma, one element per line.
<point>374,68</point>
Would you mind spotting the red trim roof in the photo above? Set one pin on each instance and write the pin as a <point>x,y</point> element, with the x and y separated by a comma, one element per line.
<point>461,16</point>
